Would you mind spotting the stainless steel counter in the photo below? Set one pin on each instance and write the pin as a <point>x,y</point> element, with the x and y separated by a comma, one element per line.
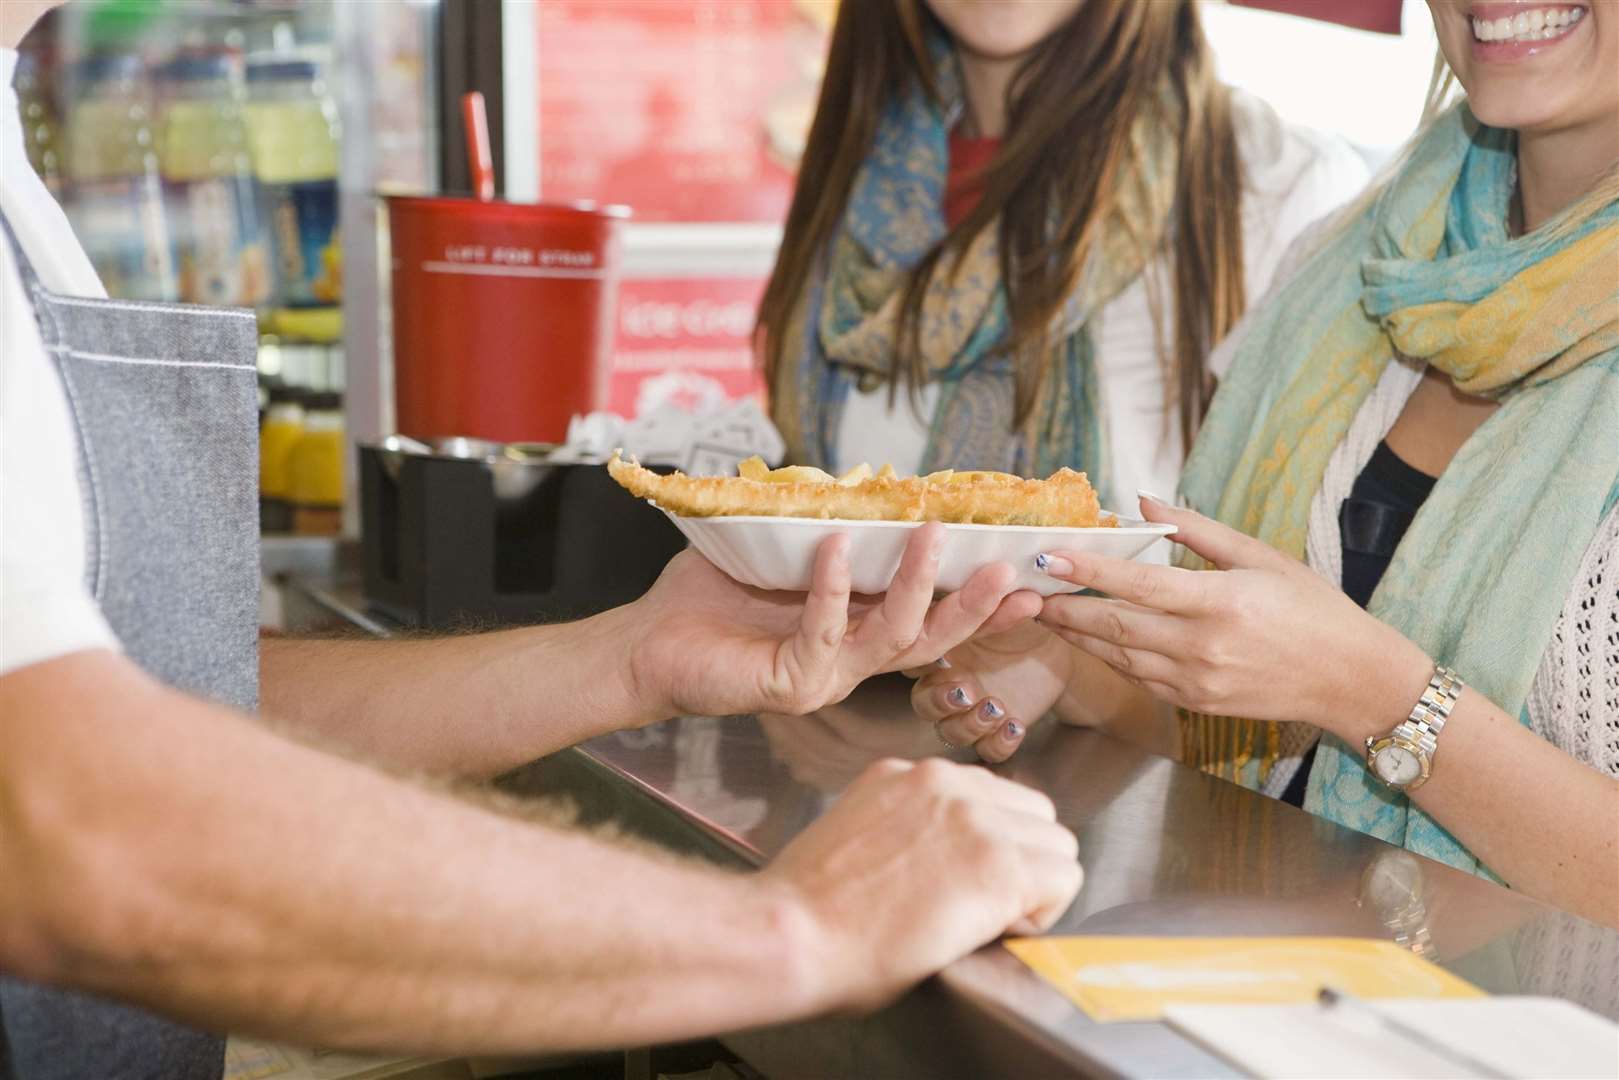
<point>1166,850</point>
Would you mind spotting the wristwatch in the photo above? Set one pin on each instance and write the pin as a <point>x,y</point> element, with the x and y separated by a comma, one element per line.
<point>1403,758</point>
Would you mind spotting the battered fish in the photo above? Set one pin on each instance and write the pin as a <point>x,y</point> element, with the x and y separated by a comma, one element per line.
<point>1063,500</point>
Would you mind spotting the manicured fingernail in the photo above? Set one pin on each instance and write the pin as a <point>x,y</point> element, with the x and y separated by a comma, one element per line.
<point>993,711</point>
<point>941,662</point>
<point>958,697</point>
<point>1150,497</point>
<point>1011,730</point>
<point>1055,565</point>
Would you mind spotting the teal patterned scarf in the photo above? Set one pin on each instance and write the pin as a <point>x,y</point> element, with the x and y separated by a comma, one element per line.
<point>1430,271</point>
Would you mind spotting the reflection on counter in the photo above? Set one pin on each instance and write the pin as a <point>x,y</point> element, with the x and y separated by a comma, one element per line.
<point>1167,850</point>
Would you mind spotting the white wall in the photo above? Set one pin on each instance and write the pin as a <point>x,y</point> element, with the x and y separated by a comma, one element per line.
<point>1367,87</point>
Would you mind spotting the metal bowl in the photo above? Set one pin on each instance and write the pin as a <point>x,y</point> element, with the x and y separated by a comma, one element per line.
<point>516,468</point>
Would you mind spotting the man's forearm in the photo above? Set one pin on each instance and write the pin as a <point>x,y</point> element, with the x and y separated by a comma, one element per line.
<point>238,880</point>
<point>473,705</point>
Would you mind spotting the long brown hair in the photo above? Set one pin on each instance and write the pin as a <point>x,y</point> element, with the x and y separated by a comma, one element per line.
<point>1052,186</point>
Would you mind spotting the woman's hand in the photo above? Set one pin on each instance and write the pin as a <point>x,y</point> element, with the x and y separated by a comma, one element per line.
<point>1262,636</point>
<point>1025,674</point>
<point>987,692</point>
<point>704,644</point>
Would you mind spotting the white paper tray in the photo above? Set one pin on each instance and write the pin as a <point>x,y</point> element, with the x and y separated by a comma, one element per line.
<point>779,552</point>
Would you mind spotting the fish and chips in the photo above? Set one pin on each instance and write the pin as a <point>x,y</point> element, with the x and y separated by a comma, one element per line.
<point>1063,500</point>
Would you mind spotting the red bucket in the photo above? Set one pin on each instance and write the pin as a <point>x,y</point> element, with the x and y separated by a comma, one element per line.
<point>502,315</point>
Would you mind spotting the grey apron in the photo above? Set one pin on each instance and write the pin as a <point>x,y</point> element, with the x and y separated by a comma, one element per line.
<point>164,404</point>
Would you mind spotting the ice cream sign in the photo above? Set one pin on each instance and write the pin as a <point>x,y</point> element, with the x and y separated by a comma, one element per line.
<point>643,317</point>
<point>698,327</point>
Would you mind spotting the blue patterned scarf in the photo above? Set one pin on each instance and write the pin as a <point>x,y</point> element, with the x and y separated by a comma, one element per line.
<point>845,330</point>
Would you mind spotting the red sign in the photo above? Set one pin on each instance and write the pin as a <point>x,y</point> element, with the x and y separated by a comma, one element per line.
<point>700,329</point>
<point>1381,16</point>
<point>688,111</point>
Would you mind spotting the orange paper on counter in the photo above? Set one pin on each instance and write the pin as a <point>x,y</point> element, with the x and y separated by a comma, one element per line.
<point>1134,978</point>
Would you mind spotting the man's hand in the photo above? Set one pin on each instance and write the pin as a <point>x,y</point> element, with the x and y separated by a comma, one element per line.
<point>918,864</point>
<point>701,643</point>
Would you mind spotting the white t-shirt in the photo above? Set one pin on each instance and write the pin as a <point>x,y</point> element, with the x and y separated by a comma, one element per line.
<point>1293,177</point>
<point>45,609</point>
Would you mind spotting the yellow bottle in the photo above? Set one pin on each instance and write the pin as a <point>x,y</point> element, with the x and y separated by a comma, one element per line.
<point>283,425</point>
<point>315,469</point>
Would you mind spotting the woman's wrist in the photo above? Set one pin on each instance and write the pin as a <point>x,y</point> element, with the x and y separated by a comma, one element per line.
<point>1370,697</point>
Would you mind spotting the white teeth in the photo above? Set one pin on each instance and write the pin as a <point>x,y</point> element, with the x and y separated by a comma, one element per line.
<point>1538,24</point>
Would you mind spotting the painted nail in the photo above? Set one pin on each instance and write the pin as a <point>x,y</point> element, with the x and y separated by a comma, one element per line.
<point>1011,730</point>
<point>1055,565</point>
<point>993,711</point>
<point>942,663</point>
<point>958,697</point>
<point>1143,493</point>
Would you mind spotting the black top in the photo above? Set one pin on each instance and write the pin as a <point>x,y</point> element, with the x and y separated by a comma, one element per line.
<point>1372,521</point>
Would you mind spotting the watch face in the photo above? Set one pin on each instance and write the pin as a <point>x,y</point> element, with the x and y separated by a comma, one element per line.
<point>1396,765</point>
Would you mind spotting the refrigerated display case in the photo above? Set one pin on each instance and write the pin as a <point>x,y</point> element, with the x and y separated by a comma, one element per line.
<point>230,152</point>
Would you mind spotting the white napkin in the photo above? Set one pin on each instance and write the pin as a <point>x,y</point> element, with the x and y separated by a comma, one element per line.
<point>707,442</point>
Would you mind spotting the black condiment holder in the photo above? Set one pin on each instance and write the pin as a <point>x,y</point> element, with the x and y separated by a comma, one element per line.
<point>464,533</point>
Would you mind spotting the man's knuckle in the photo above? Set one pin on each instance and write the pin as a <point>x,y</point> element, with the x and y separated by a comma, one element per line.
<point>1005,862</point>
<point>900,644</point>
<point>798,703</point>
<point>964,820</point>
<point>1075,878</point>
<point>884,767</point>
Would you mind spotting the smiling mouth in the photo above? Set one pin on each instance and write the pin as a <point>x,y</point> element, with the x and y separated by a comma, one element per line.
<point>1534,24</point>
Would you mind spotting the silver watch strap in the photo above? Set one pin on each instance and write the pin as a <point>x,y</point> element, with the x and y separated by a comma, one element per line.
<point>1433,708</point>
